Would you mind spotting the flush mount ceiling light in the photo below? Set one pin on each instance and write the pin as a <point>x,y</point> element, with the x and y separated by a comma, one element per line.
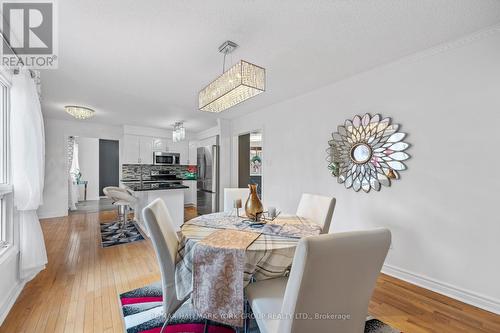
<point>79,112</point>
<point>239,83</point>
<point>179,133</point>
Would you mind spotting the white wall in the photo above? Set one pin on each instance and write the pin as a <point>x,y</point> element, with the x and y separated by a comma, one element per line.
<point>55,194</point>
<point>88,159</point>
<point>443,212</point>
<point>147,131</point>
<point>208,133</point>
<point>224,158</point>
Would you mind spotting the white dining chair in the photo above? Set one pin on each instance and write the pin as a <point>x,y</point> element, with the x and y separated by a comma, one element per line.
<point>318,209</point>
<point>165,242</point>
<point>331,274</point>
<point>231,194</point>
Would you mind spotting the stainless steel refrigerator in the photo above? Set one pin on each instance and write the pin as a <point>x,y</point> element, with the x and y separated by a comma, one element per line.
<point>208,179</point>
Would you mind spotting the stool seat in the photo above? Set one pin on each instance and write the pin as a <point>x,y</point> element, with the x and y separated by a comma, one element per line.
<point>118,194</point>
<point>121,203</point>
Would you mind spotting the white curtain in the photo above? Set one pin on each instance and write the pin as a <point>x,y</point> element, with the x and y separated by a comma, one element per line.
<point>74,170</point>
<point>75,162</point>
<point>28,164</point>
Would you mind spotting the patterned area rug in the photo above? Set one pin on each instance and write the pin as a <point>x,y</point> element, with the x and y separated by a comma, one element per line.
<point>110,235</point>
<point>142,313</point>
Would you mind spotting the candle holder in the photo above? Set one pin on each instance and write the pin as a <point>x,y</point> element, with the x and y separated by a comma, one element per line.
<point>237,204</point>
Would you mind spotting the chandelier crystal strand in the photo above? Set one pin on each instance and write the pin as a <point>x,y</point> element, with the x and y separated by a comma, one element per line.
<point>175,137</point>
<point>179,133</point>
<point>182,133</point>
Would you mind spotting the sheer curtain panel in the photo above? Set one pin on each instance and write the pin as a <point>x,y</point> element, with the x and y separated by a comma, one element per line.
<point>73,171</point>
<point>28,158</point>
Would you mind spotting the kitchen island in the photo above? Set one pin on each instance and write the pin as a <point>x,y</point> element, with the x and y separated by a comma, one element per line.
<point>172,194</point>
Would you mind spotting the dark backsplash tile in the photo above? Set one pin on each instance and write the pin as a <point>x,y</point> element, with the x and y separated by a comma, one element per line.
<point>133,171</point>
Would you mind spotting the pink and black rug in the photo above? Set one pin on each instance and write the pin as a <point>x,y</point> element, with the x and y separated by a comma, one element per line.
<point>143,313</point>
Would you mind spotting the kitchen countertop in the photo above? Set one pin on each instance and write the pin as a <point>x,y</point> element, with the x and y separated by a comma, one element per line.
<point>154,186</point>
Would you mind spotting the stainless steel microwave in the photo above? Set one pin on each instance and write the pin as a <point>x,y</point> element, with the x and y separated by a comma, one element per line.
<point>161,158</point>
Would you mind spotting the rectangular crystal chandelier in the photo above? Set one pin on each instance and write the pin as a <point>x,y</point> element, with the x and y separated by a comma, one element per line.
<point>179,133</point>
<point>239,83</point>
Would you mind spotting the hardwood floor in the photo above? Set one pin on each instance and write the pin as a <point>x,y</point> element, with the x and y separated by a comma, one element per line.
<point>414,309</point>
<point>78,292</point>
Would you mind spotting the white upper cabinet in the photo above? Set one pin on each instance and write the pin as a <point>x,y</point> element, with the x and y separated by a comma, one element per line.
<point>137,149</point>
<point>160,144</point>
<point>192,152</point>
<point>146,150</point>
<point>131,150</point>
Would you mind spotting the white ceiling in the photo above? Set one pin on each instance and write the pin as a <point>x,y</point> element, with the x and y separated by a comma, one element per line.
<point>143,62</point>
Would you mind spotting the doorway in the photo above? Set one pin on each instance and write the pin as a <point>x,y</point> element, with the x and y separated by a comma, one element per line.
<point>93,164</point>
<point>250,160</point>
<point>109,164</point>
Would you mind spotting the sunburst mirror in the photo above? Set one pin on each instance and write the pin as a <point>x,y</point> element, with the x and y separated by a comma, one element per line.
<point>367,153</point>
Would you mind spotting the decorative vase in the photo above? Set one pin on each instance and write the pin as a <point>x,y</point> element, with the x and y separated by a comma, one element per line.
<point>253,206</point>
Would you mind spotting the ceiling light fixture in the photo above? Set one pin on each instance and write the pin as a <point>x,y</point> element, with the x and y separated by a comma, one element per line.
<point>179,133</point>
<point>239,83</point>
<point>79,112</point>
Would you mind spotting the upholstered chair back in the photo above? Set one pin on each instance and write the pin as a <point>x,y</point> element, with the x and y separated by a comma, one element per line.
<point>334,274</point>
<point>165,242</point>
<point>317,208</point>
<point>231,194</point>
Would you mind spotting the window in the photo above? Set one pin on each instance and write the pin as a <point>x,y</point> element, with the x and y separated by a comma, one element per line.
<point>4,132</point>
<point>6,227</point>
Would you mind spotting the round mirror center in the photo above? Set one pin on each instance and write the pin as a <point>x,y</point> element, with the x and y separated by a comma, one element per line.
<point>361,153</point>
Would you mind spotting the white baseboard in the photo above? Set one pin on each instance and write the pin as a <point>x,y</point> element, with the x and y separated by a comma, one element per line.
<point>9,302</point>
<point>466,296</point>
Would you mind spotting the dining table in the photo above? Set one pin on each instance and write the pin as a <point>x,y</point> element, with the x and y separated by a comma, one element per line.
<point>221,253</point>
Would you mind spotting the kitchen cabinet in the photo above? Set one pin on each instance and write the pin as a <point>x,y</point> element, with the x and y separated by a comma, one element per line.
<point>137,149</point>
<point>189,193</point>
<point>131,154</point>
<point>160,144</point>
<point>192,153</point>
<point>173,199</point>
<point>145,150</point>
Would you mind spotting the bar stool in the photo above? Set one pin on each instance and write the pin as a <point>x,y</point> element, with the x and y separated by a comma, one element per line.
<point>123,199</point>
